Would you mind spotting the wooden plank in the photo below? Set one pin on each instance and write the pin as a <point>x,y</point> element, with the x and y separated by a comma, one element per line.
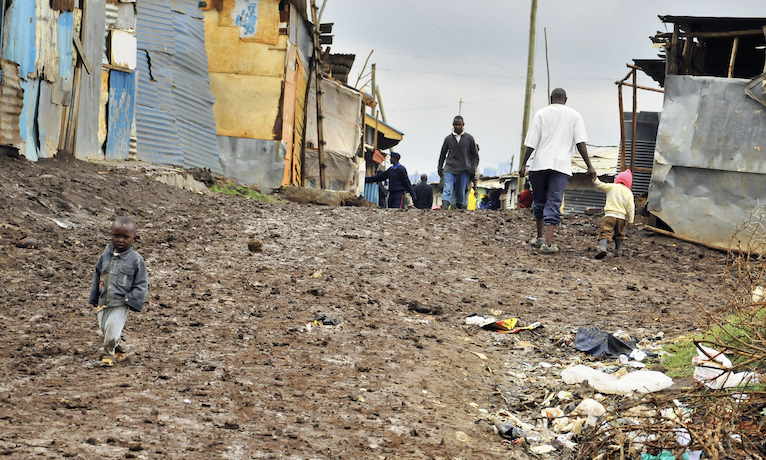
<point>81,53</point>
<point>116,67</point>
<point>734,47</point>
<point>733,33</point>
<point>649,228</point>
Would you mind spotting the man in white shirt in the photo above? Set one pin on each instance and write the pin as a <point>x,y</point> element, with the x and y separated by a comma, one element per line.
<point>556,132</point>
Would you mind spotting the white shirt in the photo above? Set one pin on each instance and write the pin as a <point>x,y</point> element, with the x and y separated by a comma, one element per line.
<point>457,136</point>
<point>554,134</point>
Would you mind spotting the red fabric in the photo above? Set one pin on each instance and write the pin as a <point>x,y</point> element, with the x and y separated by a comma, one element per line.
<point>625,178</point>
<point>525,199</point>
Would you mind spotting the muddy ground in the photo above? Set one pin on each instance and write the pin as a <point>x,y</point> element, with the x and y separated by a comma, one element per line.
<point>222,364</point>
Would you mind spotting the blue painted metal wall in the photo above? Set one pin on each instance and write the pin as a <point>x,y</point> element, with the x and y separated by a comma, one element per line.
<point>174,113</point>
<point>372,192</point>
<point>122,101</point>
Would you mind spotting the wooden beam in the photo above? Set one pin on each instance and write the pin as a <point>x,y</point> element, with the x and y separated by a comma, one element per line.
<point>649,228</point>
<point>116,67</point>
<point>734,47</point>
<point>734,33</point>
<point>657,90</point>
<point>673,54</point>
<point>81,53</point>
<point>635,122</point>
<point>622,128</point>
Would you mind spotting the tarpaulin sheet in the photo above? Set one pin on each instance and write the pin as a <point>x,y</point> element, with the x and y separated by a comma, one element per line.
<point>342,123</point>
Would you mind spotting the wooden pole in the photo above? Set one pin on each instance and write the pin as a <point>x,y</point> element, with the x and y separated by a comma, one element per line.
<point>673,54</point>
<point>530,78</point>
<point>320,117</point>
<point>635,122</point>
<point>547,64</point>
<point>686,56</point>
<point>374,87</point>
<point>622,128</point>
<point>734,47</point>
<point>380,102</point>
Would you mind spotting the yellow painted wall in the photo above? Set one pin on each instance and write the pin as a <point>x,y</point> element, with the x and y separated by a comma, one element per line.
<point>245,105</point>
<point>227,53</point>
<point>268,20</point>
<point>245,77</point>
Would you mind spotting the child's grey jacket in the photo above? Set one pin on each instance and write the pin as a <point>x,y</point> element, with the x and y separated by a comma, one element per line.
<point>120,279</point>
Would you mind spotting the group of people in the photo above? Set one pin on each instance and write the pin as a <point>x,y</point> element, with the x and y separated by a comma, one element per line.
<point>556,133</point>
<point>120,281</point>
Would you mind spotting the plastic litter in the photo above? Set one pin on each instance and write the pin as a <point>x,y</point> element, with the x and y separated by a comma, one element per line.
<point>507,430</point>
<point>323,320</point>
<point>597,342</point>
<point>665,455</point>
<point>712,370</point>
<point>479,320</point>
<point>592,409</point>
<point>637,355</point>
<point>640,381</point>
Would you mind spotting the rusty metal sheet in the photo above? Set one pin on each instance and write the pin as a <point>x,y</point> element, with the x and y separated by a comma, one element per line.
<point>709,162</point>
<point>88,146</point>
<point>122,102</point>
<point>11,104</point>
<point>47,50</point>
<point>49,116</point>
<point>19,36</point>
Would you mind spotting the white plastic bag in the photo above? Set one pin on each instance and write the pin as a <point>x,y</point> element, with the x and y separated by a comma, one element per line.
<point>639,381</point>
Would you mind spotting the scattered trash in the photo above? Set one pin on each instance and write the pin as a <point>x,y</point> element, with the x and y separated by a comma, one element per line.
<point>323,320</point>
<point>665,455</point>
<point>544,449</point>
<point>317,274</point>
<point>532,298</point>
<point>590,408</point>
<point>640,381</point>
<point>507,430</point>
<point>712,370</point>
<point>479,320</point>
<point>481,356</point>
<point>187,401</point>
<point>598,343</point>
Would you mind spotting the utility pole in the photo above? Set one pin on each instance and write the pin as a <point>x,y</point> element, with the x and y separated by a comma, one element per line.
<point>318,73</point>
<point>460,110</point>
<point>530,78</point>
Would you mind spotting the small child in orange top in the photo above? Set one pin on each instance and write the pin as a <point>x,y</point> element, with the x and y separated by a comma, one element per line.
<point>619,212</point>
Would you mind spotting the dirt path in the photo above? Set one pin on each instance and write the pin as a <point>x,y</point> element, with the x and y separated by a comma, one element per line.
<point>222,364</point>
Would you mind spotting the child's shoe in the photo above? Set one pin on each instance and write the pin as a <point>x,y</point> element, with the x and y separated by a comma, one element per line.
<point>107,360</point>
<point>537,242</point>
<point>618,248</point>
<point>552,249</point>
<point>601,249</point>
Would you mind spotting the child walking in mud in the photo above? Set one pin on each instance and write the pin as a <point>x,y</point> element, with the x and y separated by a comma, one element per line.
<point>120,284</point>
<point>619,212</point>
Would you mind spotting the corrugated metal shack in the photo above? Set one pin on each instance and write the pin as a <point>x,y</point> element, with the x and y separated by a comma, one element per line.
<point>709,164</point>
<point>259,54</point>
<point>174,115</point>
<point>72,79</point>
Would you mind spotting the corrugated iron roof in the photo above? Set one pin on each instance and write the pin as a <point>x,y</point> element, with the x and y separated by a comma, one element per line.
<point>193,99</point>
<point>605,161</point>
<point>154,26</point>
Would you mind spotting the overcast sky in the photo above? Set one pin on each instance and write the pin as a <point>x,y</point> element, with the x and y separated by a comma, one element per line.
<point>432,53</point>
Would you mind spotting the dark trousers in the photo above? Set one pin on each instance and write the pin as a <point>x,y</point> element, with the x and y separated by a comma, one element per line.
<point>397,200</point>
<point>547,194</point>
